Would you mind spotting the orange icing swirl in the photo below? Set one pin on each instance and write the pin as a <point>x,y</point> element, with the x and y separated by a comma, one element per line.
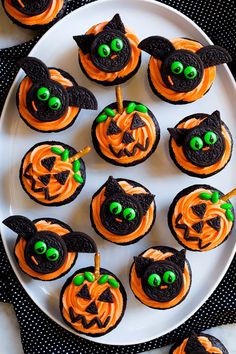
<point>99,75</point>
<point>34,157</point>
<point>59,124</point>
<point>156,79</point>
<point>140,135</point>
<point>204,341</point>
<point>43,225</point>
<point>79,305</point>
<point>187,165</point>
<point>146,222</point>
<point>136,285</point>
<point>208,235</point>
<point>42,19</point>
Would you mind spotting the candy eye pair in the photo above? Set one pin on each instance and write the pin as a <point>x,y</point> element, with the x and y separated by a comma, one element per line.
<point>128,213</point>
<point>155,280</point>
<point>52,254</point>
<point>104,50</point>
<point>43,94</point>
<point>196,143</point>
<point>189,72</point>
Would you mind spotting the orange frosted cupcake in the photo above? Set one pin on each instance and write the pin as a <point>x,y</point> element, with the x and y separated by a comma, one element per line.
<point>47,248</point>
<point>160,277</point>
<point>109,53</point>
<point>182,70</point>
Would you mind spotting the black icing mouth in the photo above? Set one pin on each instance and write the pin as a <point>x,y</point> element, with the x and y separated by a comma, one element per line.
<point>132,152</point>
<point>31,8</point>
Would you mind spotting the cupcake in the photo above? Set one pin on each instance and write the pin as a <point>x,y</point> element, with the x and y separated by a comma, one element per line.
<point>46,248</point>
<point>199,344</point>
<point>34,15</point>
<point>201,217</point>
<point>182,70</point>
<point>160,277</point>
<point>201,144</point>
<point>53,173</point>
<point>122,211</point>
<point>109,53</point>
<point>49,99</point>
<point>93,301</point>
<point>125,133</point>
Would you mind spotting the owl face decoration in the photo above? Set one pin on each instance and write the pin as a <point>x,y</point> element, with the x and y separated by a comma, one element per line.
<point>182,70</point>
<point>122,213</point>
<point>161,280</point>
<point>204,144</point>
<point>48,100</point>
<point>110,49</point>
<point>45,251</point>
<point>31,8</point>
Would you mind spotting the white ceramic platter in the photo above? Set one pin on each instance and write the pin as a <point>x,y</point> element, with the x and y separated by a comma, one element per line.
<point>158,173</point>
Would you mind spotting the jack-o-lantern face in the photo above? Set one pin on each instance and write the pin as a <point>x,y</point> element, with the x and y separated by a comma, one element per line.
<point>126,138</point>
<point>48,176</point>
<point>199,219</point>
<point>45,252</point>
<point>31,8</point>
<point>92,306</point>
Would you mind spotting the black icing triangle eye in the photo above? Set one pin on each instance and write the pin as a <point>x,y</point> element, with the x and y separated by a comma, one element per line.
<point>92,308</point>
<point>198,226</point>
<point>62,177</point>
<point>45,179</point>
<point>84,293</point>
<point>106,296</point>
<point>127,138</point>
<point>214,223</point>
<point>137,122</point>
<point>199,210</point>
<point>113,128</point>
<point>48,163</point>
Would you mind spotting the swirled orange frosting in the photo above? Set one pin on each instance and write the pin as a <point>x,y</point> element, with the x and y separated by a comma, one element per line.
<point>136,284</point>
<point>113,310</point>
<point>59,124</point>
<point>99,75</point>
<point>55,188</point>
<point>208,235</point>
<point>204,341</point>
<point>145,225</point>
<point>156,79</point>
<point>187,165</point>
<point>140,135</point>
<point>42,19</point>
<point>44,225</point>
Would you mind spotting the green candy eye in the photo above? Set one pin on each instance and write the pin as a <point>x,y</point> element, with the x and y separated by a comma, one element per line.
<point>196,143</point>
<point>169,277</point>
<point>177,67</point>
<point>43,94</point>
<point>52,254</point>
<point>117,44</point>
<point>115,208</point>
<point>40,247</point>
<point>104,51</point>
<point>54,103</point>
<point>154,280</point>
<point>190,72</point>
<point>210,138</point>
<point>129,214</point>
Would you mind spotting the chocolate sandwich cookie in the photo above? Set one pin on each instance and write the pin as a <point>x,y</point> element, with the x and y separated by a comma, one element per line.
<point>47,248</point>
<point>182,70</point>
<point>160,277</point>
<point>108,52</point>
<point>49,99</point>
<point>199,218</point>
<point>52,173</point>
<point>34,15</point>
<point>128,137</point>
<point>93,306</point>
<point>199,344</point>
<point>122,211</point>
<point>201,144</point>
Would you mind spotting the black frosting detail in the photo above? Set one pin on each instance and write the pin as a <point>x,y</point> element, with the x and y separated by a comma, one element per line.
<point>137,122</point>
<point>45,179</point>
<point>21,225</point>
<point>79,242</point>
<point>115,24</point>
<point>141,263</point>
<point>198,227</point>
<point>92,308</point>
<point>106,296</point>
<point>84,292</point>
<point>199,209</point>
<point>61,177</point>
<point>76,318</point>
<point>127,138</point>
<point>215,223</point>
<point>159,47</point>
<point>84,42</point>
<point>48,162</point>
<point>113,128</point>
<point>213,55</point>
<point>127,152</point>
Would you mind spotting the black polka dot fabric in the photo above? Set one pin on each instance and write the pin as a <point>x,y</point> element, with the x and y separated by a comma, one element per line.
<point>38,333</point>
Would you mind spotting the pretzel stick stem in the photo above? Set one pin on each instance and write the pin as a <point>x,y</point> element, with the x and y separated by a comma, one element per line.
<point>97,265</point>
<point>80,153</point>
<point>229,195</point>
<point>119,99</point>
